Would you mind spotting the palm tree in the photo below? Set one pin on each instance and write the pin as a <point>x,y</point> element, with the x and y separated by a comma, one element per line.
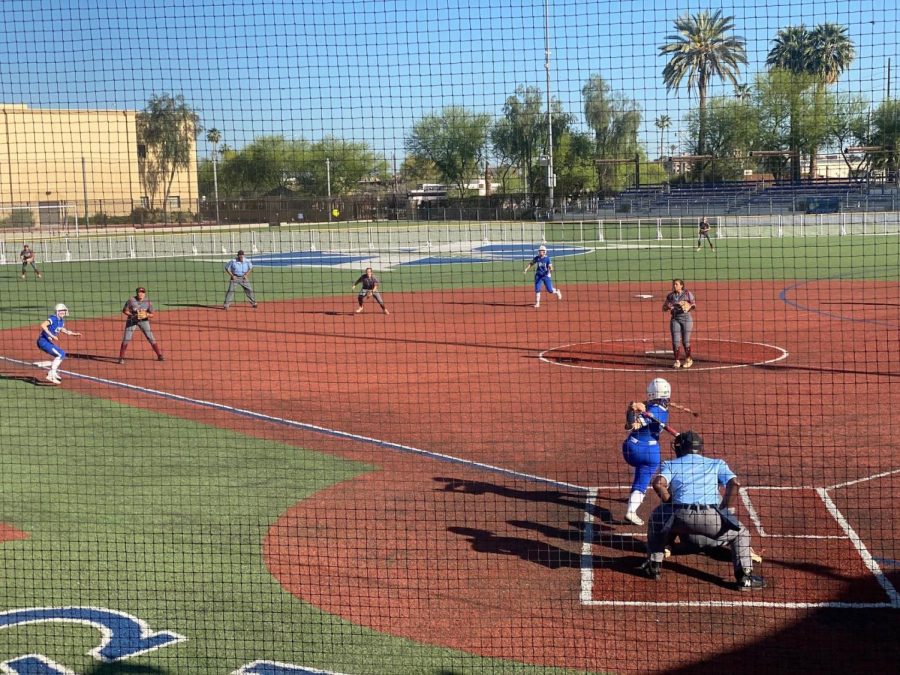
<point>700,50</point>
<point>663,122</point>
<point>823,53</point>
<point>832,53</point>
<point>742,92</point>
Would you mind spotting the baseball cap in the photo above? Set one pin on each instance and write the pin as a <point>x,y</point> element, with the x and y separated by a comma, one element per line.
<point>140,289</point>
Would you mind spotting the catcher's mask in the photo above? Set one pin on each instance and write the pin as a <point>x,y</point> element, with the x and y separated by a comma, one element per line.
<point>687,443</point>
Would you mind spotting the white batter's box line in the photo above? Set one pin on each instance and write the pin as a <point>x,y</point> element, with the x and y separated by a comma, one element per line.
<point>757,521</point>
<point>875,476</point>
<point>587,565</point>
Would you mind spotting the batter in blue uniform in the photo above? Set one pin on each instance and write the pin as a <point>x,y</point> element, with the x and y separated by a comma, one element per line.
<point>641,448</point>
<point>542,269</point>
<point>49,336</point>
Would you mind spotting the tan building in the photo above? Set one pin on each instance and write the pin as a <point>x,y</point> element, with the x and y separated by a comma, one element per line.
<point>86,160</point>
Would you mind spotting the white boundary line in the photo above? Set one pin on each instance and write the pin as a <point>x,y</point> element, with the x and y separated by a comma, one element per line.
<point>863,480</point>
<point>326,431</point>
<point>697,365</point>
<point>587,572</point>
<point>871,563</point>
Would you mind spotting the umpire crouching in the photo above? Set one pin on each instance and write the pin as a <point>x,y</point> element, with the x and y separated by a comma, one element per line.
<point>689,489</point>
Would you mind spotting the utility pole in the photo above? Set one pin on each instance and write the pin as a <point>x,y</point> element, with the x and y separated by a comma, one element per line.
<point>328,180</point>
<point>551,177</point>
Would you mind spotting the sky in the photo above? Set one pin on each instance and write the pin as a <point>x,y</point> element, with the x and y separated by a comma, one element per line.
<point>367,70</point>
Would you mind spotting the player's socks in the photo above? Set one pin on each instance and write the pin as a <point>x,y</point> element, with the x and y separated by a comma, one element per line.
<point>537,299</point>
<point>157,350</point>
<point>635,499</point>
<point>122,350</point>
<point>558,293</point>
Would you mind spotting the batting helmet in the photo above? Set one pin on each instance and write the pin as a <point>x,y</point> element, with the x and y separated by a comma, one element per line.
<point>687,443</point>
<point>542,248</point>
<point>658,388</point>
<point>61,309</point>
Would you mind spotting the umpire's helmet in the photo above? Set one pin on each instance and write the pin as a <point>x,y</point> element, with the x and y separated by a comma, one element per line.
<point>687,443</point>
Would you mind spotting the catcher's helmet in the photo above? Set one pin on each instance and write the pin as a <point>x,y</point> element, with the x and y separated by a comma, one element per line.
<point>61,310</point>
<point>687,443</point>
<point>658,388</point>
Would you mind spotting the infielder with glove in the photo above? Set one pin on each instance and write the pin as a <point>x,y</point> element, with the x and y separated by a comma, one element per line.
<point>543,266</point>
<point>27,257</point>
<point>680,303</point>
<point>138,312</point>
<point>641,449</point>
<point>50,330</point>
<point>368,284</point>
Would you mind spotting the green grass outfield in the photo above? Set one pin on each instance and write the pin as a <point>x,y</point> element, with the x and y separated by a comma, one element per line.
<point>163,518</point>
<point>100,288</point>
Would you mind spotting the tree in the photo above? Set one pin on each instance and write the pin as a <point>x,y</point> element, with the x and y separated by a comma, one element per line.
<point>663,122</point>
<point>886,133</point>
<point>700,50</point>
<point>822,53</point>
<point>166,131</point>
<point>787,104</point>
<point>615,120</point>
<point>519,135</point>
<point>732,132</point>
<point>454,140</point>
<point>743,92</point>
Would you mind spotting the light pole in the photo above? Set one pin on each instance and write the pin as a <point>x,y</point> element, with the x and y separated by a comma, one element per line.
<point>551,177</point>
<point>213,136</point>
<point>328,181</point>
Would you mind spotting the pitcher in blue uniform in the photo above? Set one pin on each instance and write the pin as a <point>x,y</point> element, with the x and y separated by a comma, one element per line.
<point>49,335</point>
<point>641,448</point>
<point>543,266</point>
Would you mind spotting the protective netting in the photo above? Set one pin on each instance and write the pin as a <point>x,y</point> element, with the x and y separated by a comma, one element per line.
<point>290,386</point>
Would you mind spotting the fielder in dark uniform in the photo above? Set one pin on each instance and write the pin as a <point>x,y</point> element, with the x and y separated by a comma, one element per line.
<point>680,303</point>
<point>138,311</point>
<point>688,487</point>
<point>27,256</point>
<point>368,284</point>
<point>703,232</point>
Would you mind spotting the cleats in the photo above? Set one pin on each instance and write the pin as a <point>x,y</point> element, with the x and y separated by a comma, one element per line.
<point>633,518</point>
<point>688,362</point>
<point>651,570</point>
<point>677,364</point>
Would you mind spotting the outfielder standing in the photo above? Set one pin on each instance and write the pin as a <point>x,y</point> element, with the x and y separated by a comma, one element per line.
<point>703,232</point>
<point>50,330</point>
<point>138,311</point>
<point>680,303</point>
<point>641,448</point>
<point>542,269</point>
<point>238,271</point>
<point>368,284</point>
<point>27,256</point>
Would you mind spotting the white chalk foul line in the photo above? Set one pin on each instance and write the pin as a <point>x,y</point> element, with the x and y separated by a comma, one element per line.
<point>587,545</point>
<point>305,426</point>
<point>867,558</point>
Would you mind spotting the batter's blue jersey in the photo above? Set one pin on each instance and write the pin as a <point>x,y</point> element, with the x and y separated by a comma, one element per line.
<point>541,266</point>
<point>649,434</point>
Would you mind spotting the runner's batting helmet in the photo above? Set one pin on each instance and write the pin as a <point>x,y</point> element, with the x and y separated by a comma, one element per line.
<point>61,310</point>
<point>687,443</point>
<point>658,388</point>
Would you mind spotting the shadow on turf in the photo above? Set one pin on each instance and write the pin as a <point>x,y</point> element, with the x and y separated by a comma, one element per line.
<point>30,379</point>
<point>826,640</point>
<point>93,357</point>
<point>127,669</point>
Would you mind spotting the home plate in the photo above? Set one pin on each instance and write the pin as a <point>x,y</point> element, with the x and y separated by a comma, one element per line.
<point>643,296</point>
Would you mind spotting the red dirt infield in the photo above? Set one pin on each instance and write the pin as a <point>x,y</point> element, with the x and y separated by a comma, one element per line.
<point>449,553</point>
